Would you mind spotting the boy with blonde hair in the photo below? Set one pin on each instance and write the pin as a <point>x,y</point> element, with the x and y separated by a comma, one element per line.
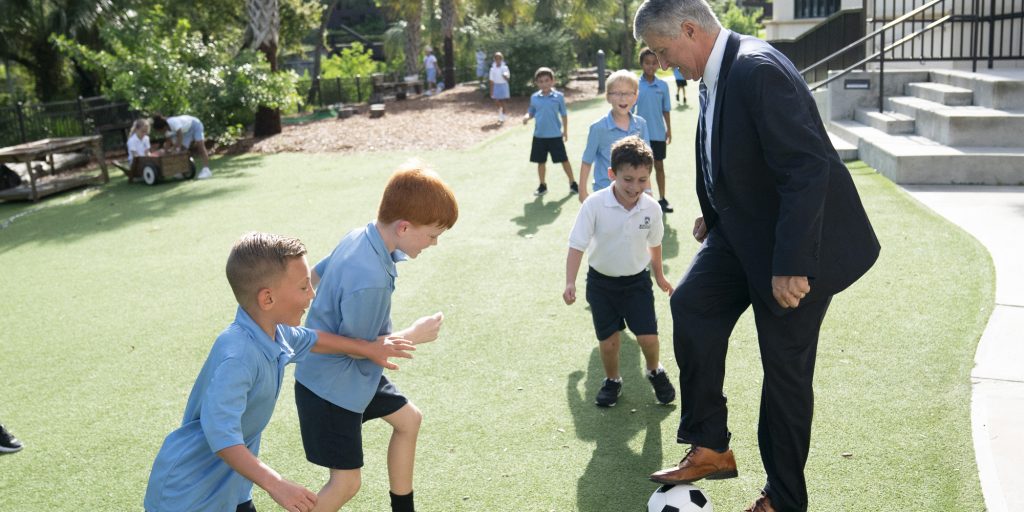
<point>622,89</point>
<point>551,129</point>
<point>620,229</point>
<point>336,394</point>
<point>210,462</point>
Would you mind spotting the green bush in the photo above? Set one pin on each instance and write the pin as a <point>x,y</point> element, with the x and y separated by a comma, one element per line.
<point>176,72</point>
<point>353,61</point>
<point>738,19</point>
<point>526,47</point>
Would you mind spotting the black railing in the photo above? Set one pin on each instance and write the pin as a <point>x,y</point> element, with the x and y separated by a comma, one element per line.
<point>803,9</point>
<point>931,30</point>
<point>25,122</point>
<point>826,40</point>
<point>357,89</point>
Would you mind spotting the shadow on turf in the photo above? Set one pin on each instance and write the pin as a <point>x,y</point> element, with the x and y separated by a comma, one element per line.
<point>538,213</point>
<point>616,476</point>
<point>57,220</point>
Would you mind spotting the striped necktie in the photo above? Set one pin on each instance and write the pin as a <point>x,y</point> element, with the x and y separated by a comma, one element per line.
<point>701,123</point>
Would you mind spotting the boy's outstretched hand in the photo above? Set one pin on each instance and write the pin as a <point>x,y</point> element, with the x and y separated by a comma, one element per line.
<point>424,330</point>
<point>387,347</point>
<point>292,496</point>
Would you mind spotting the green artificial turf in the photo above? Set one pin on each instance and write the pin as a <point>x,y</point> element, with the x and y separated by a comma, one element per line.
<point>112,297</point>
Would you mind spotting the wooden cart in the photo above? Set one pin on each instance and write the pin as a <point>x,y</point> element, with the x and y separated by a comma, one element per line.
<point>152,169</point>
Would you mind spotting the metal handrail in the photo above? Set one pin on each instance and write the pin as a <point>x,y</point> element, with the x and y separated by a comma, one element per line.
<point>931,26</point>
<point>861,41</point>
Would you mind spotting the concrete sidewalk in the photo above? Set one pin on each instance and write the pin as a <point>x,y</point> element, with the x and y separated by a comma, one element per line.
<point>995,216</point>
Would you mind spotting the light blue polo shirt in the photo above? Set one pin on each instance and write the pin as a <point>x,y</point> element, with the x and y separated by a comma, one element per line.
<point>353,299</point>
<point>547,110</point>
<point>230,404</point>
<point>651,104</point>
<point>604,133</point>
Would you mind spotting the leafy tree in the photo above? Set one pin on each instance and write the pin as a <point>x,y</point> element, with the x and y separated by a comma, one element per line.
<point>739,19</point>
<point>25,30</point>
<point>176,72</point>
<point>526,47</point>
<point>353,61</point>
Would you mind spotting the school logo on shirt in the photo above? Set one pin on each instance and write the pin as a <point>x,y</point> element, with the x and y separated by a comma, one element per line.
<point>646,224</point>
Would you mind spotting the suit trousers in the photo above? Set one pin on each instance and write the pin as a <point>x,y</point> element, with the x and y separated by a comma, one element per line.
<point>708,301</point>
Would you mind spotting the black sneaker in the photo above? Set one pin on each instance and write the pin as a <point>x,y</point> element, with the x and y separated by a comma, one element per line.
<point>541,190</point>
<point>663,388</point>
<point>609,393</point>
<point>8,443</point>
<point>665,207</point>
<point>574,188</point>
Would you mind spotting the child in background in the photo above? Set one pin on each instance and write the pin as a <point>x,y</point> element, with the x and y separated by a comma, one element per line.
<point>680,84</point>
<point>186,134</point>
<point>551,130</point>
<point>620,229</point>
<point>210,462</point>
<point>620,122</point>
<point>430,65</point>
<point>653,104</point>
<point>499,77</point>
<point>138,142</point>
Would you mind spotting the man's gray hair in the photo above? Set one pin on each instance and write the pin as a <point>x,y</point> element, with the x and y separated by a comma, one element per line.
<point>663,18</point>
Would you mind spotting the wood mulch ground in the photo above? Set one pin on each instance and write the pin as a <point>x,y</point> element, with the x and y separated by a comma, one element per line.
<point>454,119</point>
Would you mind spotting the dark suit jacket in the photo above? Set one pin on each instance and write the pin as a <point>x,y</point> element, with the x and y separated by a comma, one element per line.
<point>783,198</point>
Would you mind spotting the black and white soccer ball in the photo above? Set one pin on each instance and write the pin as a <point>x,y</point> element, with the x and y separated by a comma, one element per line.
<point>679,498</point>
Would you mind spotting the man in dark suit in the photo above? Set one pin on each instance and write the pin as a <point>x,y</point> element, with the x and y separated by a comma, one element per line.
<point>782,230</point>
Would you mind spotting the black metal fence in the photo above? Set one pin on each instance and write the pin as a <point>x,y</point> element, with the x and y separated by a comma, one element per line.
<point>26,122</point>
<point>359,88</point>
<point>986,30</point>
<point>827,38</point>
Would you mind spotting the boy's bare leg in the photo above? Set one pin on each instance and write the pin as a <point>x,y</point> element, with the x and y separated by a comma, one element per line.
<point>650,347</point>
<point>402,448</point>
<point>567,167</point>
<point>200,148</point>
<point>341,487</point>
<point>542,171</point>
<point>610,355</point>
<point>659,176</point>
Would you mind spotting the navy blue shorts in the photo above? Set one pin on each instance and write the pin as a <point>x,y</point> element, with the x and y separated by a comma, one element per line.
<point>332,436</point>
<point>541,147</point>
<point>616,302</point>
<point>658,147</point>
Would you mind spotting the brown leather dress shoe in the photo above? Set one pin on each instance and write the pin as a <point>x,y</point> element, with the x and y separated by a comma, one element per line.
<point>699,463</point>
<point>762,504</point>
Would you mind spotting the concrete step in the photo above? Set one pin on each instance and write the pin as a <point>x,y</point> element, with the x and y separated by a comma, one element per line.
<point>961,126</point>
<point>847,150</point>
<point>913,159</point>
<point>999,89</point>
<point>888,122</point>
<point>941,93</point>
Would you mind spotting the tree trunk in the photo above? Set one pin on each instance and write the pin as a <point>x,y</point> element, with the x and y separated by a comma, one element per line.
<point>448,28</point>
<point>265,24</point>
<point>314,86</point>
<point>47,71</point>
<point>412,38</point>
<point>628,45</point>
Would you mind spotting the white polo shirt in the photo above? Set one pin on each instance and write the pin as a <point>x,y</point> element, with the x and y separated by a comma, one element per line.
<point>617,241</point>
<point>137,147</point>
